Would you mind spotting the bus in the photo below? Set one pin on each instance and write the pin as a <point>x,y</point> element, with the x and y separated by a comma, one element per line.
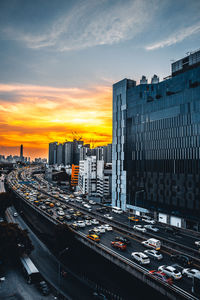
<point>117,210</point>
<point>196,285</point>
<point>30,271</point>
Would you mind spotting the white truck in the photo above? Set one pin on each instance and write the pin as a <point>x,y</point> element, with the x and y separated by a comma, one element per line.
<point>152,243</point>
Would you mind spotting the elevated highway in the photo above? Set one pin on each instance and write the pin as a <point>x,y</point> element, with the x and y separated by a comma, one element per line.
<point>181,289</point>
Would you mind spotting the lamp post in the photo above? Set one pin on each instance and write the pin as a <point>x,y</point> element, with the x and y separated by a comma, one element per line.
<point>59,273</point>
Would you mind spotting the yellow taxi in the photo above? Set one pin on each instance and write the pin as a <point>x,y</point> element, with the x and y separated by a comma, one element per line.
<point>133,219</point>
<point>94,237</point>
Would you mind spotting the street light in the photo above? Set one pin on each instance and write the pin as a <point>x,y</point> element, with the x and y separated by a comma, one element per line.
<point>59,273</point>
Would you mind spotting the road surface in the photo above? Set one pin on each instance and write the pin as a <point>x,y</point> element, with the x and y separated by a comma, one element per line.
<point>47,264</point>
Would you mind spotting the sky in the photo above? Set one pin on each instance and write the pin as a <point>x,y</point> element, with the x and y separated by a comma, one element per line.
<point>59,60</point>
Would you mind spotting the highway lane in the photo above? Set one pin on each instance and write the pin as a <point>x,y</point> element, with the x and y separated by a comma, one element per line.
<point>106,238</point>
<point>184,283</point>
<point>183,238</point>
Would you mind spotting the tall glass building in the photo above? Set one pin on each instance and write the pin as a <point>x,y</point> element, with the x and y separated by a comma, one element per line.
<point>156,145</point>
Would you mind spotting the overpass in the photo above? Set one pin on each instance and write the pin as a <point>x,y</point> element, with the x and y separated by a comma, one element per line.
<point>170,245</point>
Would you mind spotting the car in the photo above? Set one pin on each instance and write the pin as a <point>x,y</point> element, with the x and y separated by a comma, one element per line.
<point>57,203</point>
<point>80,223</point>
<point>122,239</point>
<point>152,228</point>
<point>60,213</point>
<point>133,219</point>
<point>108,216</point>
<point>139,228</point>
<point>63,206</point>
<point>68,217</point>
<point>87,206</point>
<point>151,221</point>
<point>50,212</point>
<point>181,259</point>
<point>118,245</point>
<point>78,213</point>
<point>170,230</point>
<point>153,254</point>
<point>1,220</point>
<point>92,202</point>
<point>93,237</point>
<point>74,217</point>
<point>107,227</point>
<point>60,218</point>
<point>88,222</point>
<point>190,272</point>
<point>140,257</point>
<point>162,276</point>
<point>197,243</point>
<point>170,271</point>
<point>71,211</point>
<point>86,217</point>
<point>74,226</point>
<point>94,221</point>
<point>96,230</point>
<point>15,214</point>
<point>101,229</point>
<point>43,287</point>
<point>43,207</point>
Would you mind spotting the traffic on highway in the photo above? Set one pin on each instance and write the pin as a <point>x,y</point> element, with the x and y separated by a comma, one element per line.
<point>141,241</point>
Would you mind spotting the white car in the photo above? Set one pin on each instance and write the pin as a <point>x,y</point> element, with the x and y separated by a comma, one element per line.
<point>139,228</point>
<point>151,221</point>
<point>87,206</point>
<point>107,227</point>
<point>88,222</point>
<point>140,257</point>
<point>150,227</point>
<point>15,214</point>
<point>197,243</point>
<point>154,254</point>
<point>101,229</point>
<point>60,213</point>
<point>94,221</point>
<point>108,216</point>
<point>190,272</point>
<point>92,202</point>
<point>80,223</point>
<point>170,271</point>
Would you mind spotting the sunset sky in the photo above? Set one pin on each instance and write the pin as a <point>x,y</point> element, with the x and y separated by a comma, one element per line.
<point>59,59</point>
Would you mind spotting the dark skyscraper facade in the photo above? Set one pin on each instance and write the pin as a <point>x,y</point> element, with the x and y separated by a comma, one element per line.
<point>53,153</point>
<point>21,151</point>
<point>156,145</point>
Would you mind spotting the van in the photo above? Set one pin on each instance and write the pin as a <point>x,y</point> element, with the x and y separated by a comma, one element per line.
<point>117,210</point>
<point>152,243</point>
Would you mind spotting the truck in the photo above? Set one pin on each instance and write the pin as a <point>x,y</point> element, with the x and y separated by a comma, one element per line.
<point>152,243</point>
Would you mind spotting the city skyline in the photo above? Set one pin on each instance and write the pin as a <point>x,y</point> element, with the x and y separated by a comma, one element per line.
<point>58,63</point>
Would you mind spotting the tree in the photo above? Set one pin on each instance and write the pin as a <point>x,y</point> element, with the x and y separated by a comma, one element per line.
<point>5,202</point>
<point>14,241</point>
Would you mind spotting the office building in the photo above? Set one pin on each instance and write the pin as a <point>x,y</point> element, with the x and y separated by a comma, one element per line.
<point>53,153</point>
<point>59,153</point>
<point>95,177</point>
<point>74,175</point>
<point>21,152</point>
<point>156,145</point>
<point>68,153</point>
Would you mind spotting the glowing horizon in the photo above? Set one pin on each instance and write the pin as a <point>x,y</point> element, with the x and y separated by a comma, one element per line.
<point>37,115</point>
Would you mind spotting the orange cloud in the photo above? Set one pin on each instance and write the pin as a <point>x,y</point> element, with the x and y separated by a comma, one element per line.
<point>36,115</point>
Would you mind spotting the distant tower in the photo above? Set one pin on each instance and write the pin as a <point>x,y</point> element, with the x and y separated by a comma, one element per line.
<point>21,152</point>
